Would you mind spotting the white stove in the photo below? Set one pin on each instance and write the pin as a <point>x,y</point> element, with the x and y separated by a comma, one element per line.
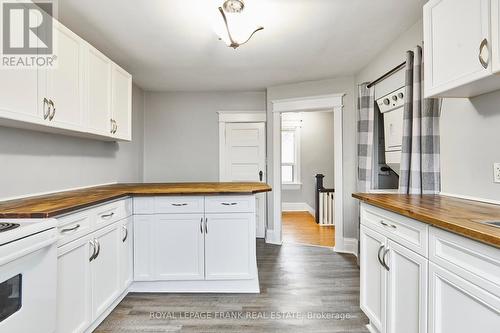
<point>28,275</point>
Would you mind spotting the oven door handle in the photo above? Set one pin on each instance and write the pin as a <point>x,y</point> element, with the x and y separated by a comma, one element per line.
<point>26,251</point>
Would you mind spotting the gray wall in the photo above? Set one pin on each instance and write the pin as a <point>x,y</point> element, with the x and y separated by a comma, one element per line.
<point>182,133</point>
<point>316,156</point>
<point>470,138</point>
<point>322,87</point>
<point>33,162</point>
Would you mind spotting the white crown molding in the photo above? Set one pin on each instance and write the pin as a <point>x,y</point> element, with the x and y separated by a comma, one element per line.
<point>308,104</point>
<point>242,116</point>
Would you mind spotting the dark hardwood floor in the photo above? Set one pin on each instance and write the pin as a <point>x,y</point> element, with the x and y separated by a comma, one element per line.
<point>297,283</point>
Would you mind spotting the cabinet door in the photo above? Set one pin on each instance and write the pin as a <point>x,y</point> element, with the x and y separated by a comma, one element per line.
<point>19,95</point>
<point>105,269</point>
<point>453,33</point>
<point>64,83</point>
<point>98,92</point>
<point>230,246</point>
<point>458,306</point>
<point>177,247</point>
<point>74,312</point>
<point>143,247</point>
<point>122,103</point>
<point>406,291</point>
<point>372,277</point>
<point>126,253</point>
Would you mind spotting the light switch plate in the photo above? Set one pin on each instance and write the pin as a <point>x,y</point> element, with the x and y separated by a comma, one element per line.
<point>496,172</point>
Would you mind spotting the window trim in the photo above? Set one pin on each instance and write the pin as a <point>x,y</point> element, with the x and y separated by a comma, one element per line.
<point>296,184</point>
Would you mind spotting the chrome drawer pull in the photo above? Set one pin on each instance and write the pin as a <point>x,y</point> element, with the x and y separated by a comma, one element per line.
<point>126,233</point>
<point>98,249</point>
<point>201,225</point>
<point>383,259</point>
<point>71,229</point>
<point>378,254</point>
<point>92,257</point>
<point>206,225</point>
<point>229,203</point>
<point>384,224</point>
<point>179,205</point>
<point>105,216</point>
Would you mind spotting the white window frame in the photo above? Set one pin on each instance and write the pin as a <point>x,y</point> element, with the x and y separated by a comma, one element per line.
<point>296,184</point>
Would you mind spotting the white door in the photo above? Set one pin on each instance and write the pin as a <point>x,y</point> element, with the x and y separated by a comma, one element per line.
<point>230,246</point>
<point>178,247</point>
<point>143,246</point>
<point>126,253</point>
<point>122,103</point>
<point>105,269</point>
<point>74,308</point>
<point>406,291</point>
<point>372,277</point>
<point>244,159</point>
<point>63,85</point>
<point>458,306</point>
<point>454,31</point>
<point>99,92</point>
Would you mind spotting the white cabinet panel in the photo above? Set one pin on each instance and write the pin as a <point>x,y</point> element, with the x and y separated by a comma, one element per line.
<point>143,255</point>
<point>453,33</point>
<point>19,95</point>
<point>99,92</point>
<point>105,272</point>
<point>178,247</point>
<point>126,252</point>
<point>406,291</point>
<point>63,85</point>
<point>458,306</point>
<point>74,286</point>
<point>230,246</point>
<point>122,103</point>
<point>372,277</point>
<point>393,128</point>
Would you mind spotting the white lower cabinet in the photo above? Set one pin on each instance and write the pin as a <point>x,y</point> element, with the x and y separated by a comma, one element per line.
<point>105,269</point>
<point>178,243</point>
<point>126,253</point>
<point>451,286</point>
<point>230,246</point>
<point>74,308</point>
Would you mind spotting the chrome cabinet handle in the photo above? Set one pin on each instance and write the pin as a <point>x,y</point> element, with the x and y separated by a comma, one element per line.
<point>116,126</point>
<point>105,216</point>
<point>92,257</point>
<point>206,225</point>
<point>71,229</point>
<point>484,63</point>
<point>378,254</point>
<point>179,204</point>
<point>112,126</point>
<point>126,233</point>
<point>46,107</point>
<point>383,259</point>
<point>201,225</point>
<point>229,203</point>
<point>51,116</point>
<point>388,225</point>
<point>98,249</point>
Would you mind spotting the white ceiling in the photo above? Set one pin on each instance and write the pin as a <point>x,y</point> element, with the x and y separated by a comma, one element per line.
<point>171,45</point>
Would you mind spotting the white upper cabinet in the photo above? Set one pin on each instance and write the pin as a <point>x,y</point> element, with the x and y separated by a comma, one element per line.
<point>84,94</point>
<point>458,48</point>
<point>62,85</point>
<point>99,92</point>
<point>121,104</point>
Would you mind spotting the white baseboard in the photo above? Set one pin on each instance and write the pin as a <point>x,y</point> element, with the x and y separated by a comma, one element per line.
<point>205,286</point>
<point>348,245</point>
<point>272,237</point>
<point>297,207</point>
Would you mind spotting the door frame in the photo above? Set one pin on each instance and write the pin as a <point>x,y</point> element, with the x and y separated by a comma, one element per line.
<point>226,117</point>
<point>332,103</point>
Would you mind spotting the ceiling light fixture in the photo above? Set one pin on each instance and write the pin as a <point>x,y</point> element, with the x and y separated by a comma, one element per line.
<point>234,7</point>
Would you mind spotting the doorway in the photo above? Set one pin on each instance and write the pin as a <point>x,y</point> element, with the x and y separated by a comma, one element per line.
<point>307,171</point>
<point>332,103</point>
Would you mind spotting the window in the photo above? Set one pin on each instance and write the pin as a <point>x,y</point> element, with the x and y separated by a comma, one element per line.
<point>290,155</point>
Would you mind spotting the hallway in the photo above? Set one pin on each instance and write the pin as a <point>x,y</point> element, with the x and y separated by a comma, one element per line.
<point>301,228</point>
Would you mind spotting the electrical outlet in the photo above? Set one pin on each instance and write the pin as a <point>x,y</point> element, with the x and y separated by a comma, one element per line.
<point>496,171</point>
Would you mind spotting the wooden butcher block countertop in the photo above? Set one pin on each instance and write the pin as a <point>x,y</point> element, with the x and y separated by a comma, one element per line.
<point>64,202</point>
<point>460,216</point>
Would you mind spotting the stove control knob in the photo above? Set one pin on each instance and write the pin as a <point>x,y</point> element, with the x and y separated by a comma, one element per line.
<point>386,101</point>
<point>401,95</point>
<point>394,97</point>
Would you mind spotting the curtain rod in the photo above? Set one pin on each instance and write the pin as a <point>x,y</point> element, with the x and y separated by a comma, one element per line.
<point>386,75</point>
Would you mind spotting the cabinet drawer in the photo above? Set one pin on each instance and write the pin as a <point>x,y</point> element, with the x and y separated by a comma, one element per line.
<point>112,212</point>
<point>409,233</point>
<point>230,204</point>
<point>471,260</point>
<point>73,226</point>
<point>178,204</point>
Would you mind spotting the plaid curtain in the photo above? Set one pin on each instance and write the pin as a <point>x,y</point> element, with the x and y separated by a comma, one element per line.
<point>420,165</point>
<point>366,112</point>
